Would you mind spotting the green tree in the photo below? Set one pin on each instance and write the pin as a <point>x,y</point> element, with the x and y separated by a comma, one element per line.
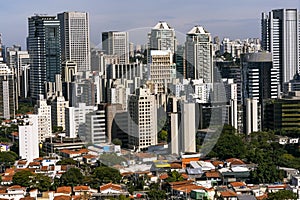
<point>72,177</point>
<point>8,157</point>
<point>229,145</point>
<point>157,194</point>
<point>105,174</point>
<point>281,195</point>
<point>22,178</point>
<point>117,141</point>
<point>41,182</point>
<point>163,136</point>
<point>174,176</point>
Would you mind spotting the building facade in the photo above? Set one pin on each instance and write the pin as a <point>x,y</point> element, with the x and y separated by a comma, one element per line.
<point>75,38</point>
<point>45,52</point>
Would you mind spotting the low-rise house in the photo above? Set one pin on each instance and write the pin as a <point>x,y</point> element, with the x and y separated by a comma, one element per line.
<point>21,164</point>
<point>276,187</point>
<point>240,188</point>
<point>228,195</point>
<point>83,191</point>
<point>63,191</point>
<point>111,188</point>
<point>15,192</point>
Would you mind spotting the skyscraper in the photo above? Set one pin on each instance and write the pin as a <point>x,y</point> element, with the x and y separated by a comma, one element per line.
<point>280,35</point>
<point>45,52</point>
<point>116,43</point>
<point>199,54</point>
<point>75,38</point>
<point>162,37</point>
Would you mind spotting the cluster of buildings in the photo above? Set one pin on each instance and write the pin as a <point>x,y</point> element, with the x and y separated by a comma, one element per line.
<point>183,89</point>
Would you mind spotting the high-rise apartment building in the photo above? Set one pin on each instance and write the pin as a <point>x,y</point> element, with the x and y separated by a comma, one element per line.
<point>199,54</point>
<point>58,108</point>
<point>75,38</point>
<point>143,120</point>
<point>116,43</point>
<point>162,37</point>
<point>43,110</point>
<point>45,52</point>
<point>8,96</point>
<point>280,36</point>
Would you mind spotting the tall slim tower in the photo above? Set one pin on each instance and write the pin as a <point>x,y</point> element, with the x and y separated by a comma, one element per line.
<point>45,52</point>
<point>199,54</point>
<point>280,35</point>
<point>75,38</point>
<point>116,43</point>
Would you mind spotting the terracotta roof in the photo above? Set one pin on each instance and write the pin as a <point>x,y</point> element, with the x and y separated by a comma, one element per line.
<point>89,156</point>
<point>44,168</point>
<point>7,178</point>
<point>81,188</point>
<point>263,197</point>
<point>81,151</point>
<point>15,187</point>
<point>22,162</point>
<point>237,184</point>
<point>34,164</point>
<point>64,189</point>
<point>187,187</point>
<point>38,159</point>
<point>77,197</point>
<point>228,193</point>
<point>235,161</point>
<point>163,176</point>
<point>180,182</point>
<point>9,171</point>
<point>144,155</point>
<point>212,174</point>
<point>277,186</point>
<point>64,167</point>
<point>217,163</point>
<point>111,186</point>
<point>62,197</point>
<point>185,176</point>
<point>176,165</point>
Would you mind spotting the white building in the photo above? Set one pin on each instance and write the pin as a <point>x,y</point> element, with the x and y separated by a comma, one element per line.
<point>116,43</point>
<point>44,119</point>
<point>96,126</point>
<point>76,116</point>
<point>187,135</point>
<point>252,116</point>
<point>143,119</point>
<point>58,108</point>
<point>75,38</point>
<point>199,54</point>
<point>29,139</point>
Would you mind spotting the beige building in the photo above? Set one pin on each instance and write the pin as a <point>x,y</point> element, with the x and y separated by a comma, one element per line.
<point>142,121</point>
<point>44,119</point>
<point>58,108</point>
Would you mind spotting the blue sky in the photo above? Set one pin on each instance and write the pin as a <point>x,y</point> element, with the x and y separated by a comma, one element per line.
<point>225,18</point>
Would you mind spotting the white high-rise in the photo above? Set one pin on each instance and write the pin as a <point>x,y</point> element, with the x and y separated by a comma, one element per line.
<point>199,54</point>
<point>143,119</point>
<point>29,139</point>
<point>116,43</point>
<point>280,35</point>
<point>75,38</point>
<point>44,119</point>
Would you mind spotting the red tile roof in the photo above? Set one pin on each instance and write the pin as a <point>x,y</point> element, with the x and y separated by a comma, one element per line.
<point>16,187</point>
<point>163,176</point>
<point>111,186</point>
<point>34,164</point>
<point>228,193</point>
<point>237,184</point>
<point>64,189</point>
<point>81,188</point>
<point>217,163</point>
<point>62,197</point>
<point>212,174</point>
<point>235,161</point>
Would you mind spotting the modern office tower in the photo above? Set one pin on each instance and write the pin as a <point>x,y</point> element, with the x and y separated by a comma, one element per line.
<point>283,114</point>
<point>252,119</point>
<point>44,119</point>
<point>180,62</point>
<point>45,52</point>
<point>75,38</point>
<point>116,43</point>
<point>162,37</point>
<point>199,54</point>
<point>117,123</point>
<point>75,119</point>
<point>142,120</point>
<point>58,107</point>
<point>29,139</point>
<point>162,69</point>
<point>95,132</point>
<point>280,36</point>
<point>8,96</point>
<point>258,76</point>
<point>11,55</point>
